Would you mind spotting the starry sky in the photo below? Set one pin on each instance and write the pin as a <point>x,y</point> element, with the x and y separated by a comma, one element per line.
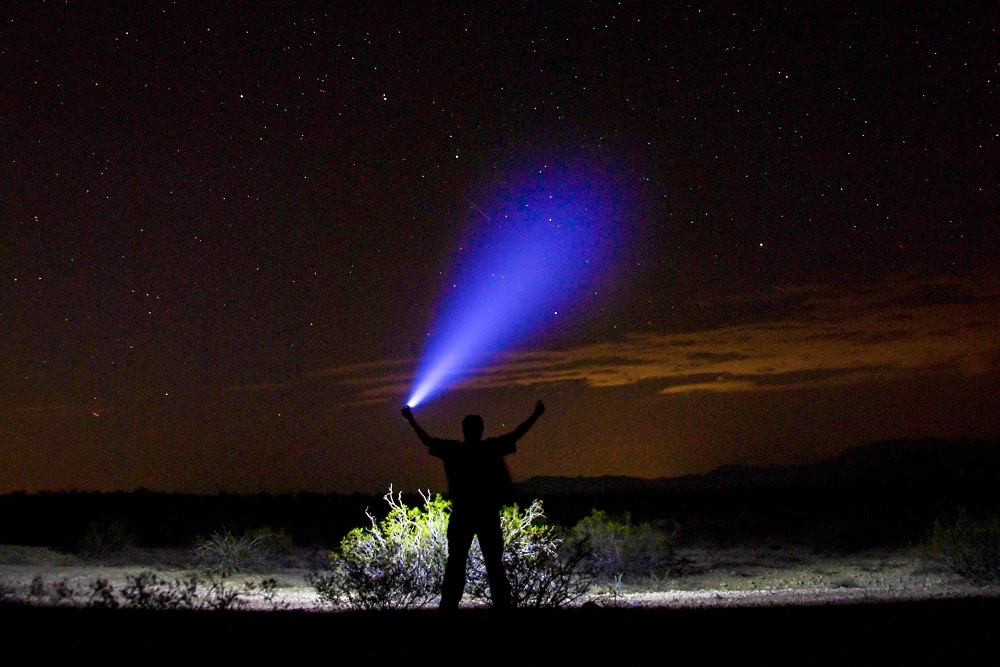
<point>227,228</point>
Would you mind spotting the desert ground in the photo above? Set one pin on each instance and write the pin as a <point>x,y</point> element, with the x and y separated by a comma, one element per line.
<point>781,605</point>
<point>733,577</point>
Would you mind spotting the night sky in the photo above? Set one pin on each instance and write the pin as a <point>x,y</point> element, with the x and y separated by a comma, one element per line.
<point>227,228</point>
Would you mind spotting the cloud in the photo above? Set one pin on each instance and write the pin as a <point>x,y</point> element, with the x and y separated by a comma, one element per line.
<point>899,329</point>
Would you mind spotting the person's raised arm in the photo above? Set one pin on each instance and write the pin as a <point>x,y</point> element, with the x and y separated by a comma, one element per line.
<point>528,423</point>
<point>421,433</point>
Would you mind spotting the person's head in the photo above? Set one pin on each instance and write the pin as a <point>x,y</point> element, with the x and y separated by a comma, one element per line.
<point>472,428</point>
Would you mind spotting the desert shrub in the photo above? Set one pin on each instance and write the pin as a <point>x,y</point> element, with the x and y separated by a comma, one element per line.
<point>62,591</point>
<point>394,563</point>
<point>255,550</point>
<point>105,538</point>
<point>37,587</point>
<point>969,547</point>
<point>148,590</point>
<point>212,593</point>
<point>102,594</point>
<point>8,593</point>
<point>399,562</point>
<point>619,548</point>
<point>544,568</point>
<point>277,542</point>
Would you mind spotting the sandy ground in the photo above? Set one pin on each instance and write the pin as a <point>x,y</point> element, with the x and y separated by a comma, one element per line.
<point>738,577</point>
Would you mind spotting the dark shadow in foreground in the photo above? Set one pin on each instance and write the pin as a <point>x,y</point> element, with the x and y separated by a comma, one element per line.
<point>940,628</point>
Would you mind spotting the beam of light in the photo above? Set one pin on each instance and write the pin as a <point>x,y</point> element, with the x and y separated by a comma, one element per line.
<point>543,243</point>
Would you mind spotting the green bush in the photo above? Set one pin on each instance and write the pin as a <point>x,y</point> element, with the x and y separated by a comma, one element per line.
<point>969,547</point>
<point>392,564</point>
<point>399,562</point>
<point>620,549</point>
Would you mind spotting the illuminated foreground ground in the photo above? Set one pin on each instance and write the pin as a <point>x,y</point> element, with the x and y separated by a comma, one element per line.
<point>783,604</point>
<point>737,577</point>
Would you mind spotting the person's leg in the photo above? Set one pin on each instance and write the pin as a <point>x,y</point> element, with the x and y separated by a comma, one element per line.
<point>491,542</point>
<point>460,532</point>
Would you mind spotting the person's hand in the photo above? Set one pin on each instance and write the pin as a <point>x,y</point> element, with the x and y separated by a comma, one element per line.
<point>407,413</point>
<point>539,409</point>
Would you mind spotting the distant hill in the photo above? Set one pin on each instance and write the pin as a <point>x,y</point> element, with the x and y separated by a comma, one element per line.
<point>895,463</point>
<point>545,485</point>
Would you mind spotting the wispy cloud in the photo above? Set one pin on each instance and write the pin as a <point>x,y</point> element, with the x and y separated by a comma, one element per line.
<point>894,330</point>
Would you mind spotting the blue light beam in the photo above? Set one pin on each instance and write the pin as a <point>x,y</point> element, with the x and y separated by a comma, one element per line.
<point>542,246</point>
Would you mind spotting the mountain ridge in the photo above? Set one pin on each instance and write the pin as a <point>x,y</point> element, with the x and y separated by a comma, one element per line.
<point>889,462</point>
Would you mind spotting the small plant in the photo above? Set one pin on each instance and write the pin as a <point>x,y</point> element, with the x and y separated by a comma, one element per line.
<point>148,590</point>
<point>611,593</point>
<point>7,592</point>
<point>61,592</point>
<point>37,588</point>
<point>969,547</point>
<point>102,594</point>
<point>619,548</point>
<point>277,541</point>
<point>255,551</point>
<point>105,538</point>
<point>218,594</point>
<point>267,591</point>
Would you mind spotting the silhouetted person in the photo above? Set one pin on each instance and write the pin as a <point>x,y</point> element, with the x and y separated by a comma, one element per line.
<point>479,485</point>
